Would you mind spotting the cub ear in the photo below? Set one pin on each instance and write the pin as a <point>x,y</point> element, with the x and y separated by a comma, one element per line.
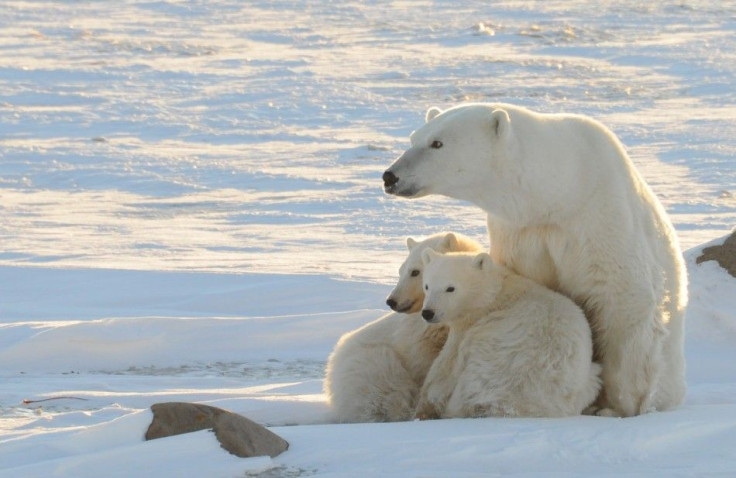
<point>411,243</point>
<point>428,255</point>
<point>432,114</point>
<point>449,242</point>
<point>482,261</point>
<point>500,123</point>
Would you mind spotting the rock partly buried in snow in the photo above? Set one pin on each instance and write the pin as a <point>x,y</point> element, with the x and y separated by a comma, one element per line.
<point>243,437</point>
<point>175,418</point>
<point>725,254</point>
<point>236,434</point>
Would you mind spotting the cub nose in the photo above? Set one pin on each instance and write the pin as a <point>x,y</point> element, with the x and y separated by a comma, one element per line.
<point>391,303</point>
<point>389,179</point>
<point>428,314</point>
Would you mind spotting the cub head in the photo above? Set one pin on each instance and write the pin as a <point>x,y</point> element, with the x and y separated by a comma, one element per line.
<point>455,284</point>
<point>452,154</point>
<point>408,295</point>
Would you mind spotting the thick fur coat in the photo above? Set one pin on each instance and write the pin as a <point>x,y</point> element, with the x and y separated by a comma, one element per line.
<point>567,209</point>
<point>515,348</point>
<point>375,372</point>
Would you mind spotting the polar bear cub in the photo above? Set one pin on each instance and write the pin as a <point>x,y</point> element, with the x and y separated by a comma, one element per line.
<point>515,348</point>
<point>375,372</point>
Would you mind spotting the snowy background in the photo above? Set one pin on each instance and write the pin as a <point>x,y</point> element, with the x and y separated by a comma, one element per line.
<point>191,209</point>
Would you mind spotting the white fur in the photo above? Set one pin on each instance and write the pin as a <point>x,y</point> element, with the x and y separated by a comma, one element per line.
<point>515,348</point>
<point>375,372</point>
<point>567,208</point>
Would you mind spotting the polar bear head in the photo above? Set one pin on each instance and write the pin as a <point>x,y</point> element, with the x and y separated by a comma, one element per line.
<point>456,284</point>
<point>454,153</point>
<point>519,166</point>
<point>408,295</point>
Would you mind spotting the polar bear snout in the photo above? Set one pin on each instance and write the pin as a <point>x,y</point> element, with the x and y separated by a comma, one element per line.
<point>403,307</point>
<point>389,180</point>
<point>391,186</point>
<point>428,315</point>
<point>401,177</point>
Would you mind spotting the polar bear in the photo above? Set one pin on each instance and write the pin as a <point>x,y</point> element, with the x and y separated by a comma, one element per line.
<point>566,207</point>
<point>374,372</point>
<point>515,348</point>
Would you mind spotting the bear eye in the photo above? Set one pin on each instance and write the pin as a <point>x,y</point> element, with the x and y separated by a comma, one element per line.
<point>436,144</point>
<point>426,287</point>
<point>414,273</point>
<point>450,289</point>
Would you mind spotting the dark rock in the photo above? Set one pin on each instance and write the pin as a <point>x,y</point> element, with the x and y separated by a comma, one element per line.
<point>725,254</point>
<point>243,437</point>
<point>175,418</point>
<point>238,435</point>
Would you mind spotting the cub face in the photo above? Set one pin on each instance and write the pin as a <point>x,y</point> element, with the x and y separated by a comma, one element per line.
<point>408,295</point>
<point>454,284</point>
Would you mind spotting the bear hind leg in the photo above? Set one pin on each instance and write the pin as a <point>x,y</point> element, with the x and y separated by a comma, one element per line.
<point>373,385</point>
<point>631,360</point>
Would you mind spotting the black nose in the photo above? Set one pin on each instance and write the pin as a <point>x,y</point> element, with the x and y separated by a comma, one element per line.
<point>389,179</point>
<point>391,303</point>
<point>428,314</point>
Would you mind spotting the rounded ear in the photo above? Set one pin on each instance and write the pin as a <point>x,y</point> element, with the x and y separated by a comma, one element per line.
<point>449,242</point>
<point>482,261</point>
<point>428,255</point>
<point>432,114</point>
<point>411,243</point>
<point>500,123</point>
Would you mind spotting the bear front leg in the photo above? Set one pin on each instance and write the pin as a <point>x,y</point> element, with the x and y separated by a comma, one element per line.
<point>432,397</point>
<point>439,384</point>
<point>426,411</point>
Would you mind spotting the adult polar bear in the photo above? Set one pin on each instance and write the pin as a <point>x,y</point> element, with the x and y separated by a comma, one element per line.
<point>567,209</point>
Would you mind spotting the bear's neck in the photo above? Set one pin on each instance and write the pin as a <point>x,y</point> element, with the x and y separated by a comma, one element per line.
<point>512,289</point>
<point>509,289</point>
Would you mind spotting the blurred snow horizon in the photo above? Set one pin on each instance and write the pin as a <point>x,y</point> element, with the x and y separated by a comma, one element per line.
<point>228,136</point>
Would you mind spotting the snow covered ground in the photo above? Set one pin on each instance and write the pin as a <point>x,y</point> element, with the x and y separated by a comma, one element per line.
<point>191,209</point>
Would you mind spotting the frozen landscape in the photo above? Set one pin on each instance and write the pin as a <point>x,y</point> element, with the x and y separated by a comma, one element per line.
<point>191,209</point>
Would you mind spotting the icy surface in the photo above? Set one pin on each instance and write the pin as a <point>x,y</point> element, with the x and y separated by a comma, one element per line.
<point>191,209</point>
<point>250,136</point>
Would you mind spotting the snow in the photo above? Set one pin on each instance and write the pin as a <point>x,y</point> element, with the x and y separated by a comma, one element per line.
<point>191,209</point>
